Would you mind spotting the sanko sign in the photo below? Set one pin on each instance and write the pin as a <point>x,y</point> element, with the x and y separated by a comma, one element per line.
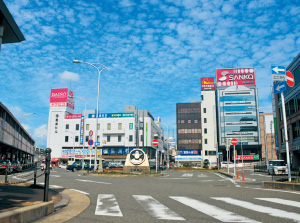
<point>235,76</point>
<point>207,83</point>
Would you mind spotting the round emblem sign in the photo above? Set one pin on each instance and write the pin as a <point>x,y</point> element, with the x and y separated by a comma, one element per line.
<point>137,156</point>
<point>234,141</point>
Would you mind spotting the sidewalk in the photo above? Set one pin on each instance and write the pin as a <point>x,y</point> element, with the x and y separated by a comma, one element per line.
<point>24,203</point>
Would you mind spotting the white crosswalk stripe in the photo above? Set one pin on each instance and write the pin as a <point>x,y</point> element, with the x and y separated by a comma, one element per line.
<point>156,209</point>
<point>281,201</point>
<point>259,208</point>
<point>107,205</point>
<point>213,211</point>
<point>187,175</point>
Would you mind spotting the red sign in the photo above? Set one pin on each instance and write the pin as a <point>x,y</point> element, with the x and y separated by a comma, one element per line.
<point>207,83</point>
<point>91,133</point>
<point>73,116</point>
<point>155,142</point>
<point>290,79</point>
<point>59,95</point>
<point>234,142</point>
<point>235,76</point>
<point>245,157</point>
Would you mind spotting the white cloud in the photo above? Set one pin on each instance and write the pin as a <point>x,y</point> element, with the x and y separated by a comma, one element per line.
<point>69,76</point>
<point>126,3</point>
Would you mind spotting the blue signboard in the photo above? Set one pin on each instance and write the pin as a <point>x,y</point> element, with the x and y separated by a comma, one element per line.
<point>81,130</point>
<point>188,152</point>
<point>278,70</point>
<point>279,87</point>
<point>112,151</point>
<point>112,115</point>
<point>126,151</point>
<point>97,143</point>
<point>120,151</point>
<point>243,143</point>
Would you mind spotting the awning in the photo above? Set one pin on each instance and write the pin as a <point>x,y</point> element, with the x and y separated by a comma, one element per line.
<point>54,160</point>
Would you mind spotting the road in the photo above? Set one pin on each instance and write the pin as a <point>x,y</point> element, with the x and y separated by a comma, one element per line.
<point>190,196</point>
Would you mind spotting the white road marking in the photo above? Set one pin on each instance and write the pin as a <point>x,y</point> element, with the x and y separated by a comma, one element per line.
<point>93,181</point>
<point>55,175</point>
<point>213,211</point>
<point>107,205</point>
<point>206,180</point>
<point>56,186</point>
<point>232,181</point>
<point>220,175</point>
<point>201,175</point>
<point>259,208</point>
<point>81,191</point>
<point>259,174</point>
<point>173,178</point>
<point>292,192</point>
<point>282,201</point>
<point>157,209</point>
<point>187,175</point>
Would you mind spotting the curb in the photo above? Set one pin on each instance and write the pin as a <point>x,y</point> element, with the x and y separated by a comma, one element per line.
<point>281,186</point>
<point>28,214</point>
<point>226,174</point>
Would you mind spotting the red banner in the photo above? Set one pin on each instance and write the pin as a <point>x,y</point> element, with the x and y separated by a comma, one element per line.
<point>245,157</point>
<point>235,76</point>
<point>73,116</point>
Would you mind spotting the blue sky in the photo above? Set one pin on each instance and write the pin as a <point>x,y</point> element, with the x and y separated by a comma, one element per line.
<point>156,52</point>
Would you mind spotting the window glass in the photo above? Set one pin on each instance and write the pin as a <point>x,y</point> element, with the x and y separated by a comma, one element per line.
<point>87,126</point>
<point>77,126</point>
<point>142,138</point>
<point>119,138</point>
<point>108,138</point>
<point>86,138</point>
<point>189,121</point>
<point>205,141</point>
<point>196,121</point>
<point>76,138</point>
<point>205,131</point>
<point>205,120</point>
<point>67,126</point>
<point>292,106</point>
<point>108,126</point>
<point>98,126</point>
<point>66,138</point>
<point>182,121</point>
<point>204,110</point>
<point>119,126</point>
<point>130,138</point>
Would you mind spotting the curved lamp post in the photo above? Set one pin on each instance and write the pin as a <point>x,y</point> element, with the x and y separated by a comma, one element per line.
<point>96,131</point>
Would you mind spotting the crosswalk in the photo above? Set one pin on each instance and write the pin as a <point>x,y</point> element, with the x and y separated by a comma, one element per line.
<point>107,205</point>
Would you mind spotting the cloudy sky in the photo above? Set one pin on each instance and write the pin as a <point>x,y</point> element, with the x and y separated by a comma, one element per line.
<point>156,52</point>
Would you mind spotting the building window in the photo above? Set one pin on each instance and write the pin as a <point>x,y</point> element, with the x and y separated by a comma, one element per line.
<point>205,120</point>
<point>205,131</point>
<point>204,110</point>
<point>130,138</point>
<point>196,121</point>
<point>76,138</point>
<point>87,126</point>
<point>77,126</point>
<point>130,125</point>
<point>66,138</point>
<point>108,139</point>
<point>205,141</point>
<point>202,97</point>
<point>108,126</point>
<point>98,138</point>
<point>98,126</point>
<point>86,138</point>
<point>119,138</point>
<point>119,126</point>
<point>182,121</point>
<point>67,126</point>
<point>142,138</point>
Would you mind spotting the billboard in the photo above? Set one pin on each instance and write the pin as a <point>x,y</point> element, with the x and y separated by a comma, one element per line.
<point>62,97</point>
<point>207,83</point>
<point>235,76</point>
<point>73,116</point>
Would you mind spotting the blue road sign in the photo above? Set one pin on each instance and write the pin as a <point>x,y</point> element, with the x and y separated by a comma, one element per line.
<point>90,142</point>
<point>97,143</point>
<point>218,153</point>
<point>279,87</point>
<point>278,70</point>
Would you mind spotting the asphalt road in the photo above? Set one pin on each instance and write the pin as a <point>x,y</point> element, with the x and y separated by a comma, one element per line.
<point>190,196</point>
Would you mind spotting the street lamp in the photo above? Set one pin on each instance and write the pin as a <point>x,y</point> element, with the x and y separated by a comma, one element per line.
<point>167,144</point>
<point>23,116</point>
<point>96,131</point>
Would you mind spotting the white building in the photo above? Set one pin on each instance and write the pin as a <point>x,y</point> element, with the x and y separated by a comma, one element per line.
<point>208,121</point>
<point>118,133</point>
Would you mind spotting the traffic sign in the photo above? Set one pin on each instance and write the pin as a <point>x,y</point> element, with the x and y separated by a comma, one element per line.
<point>91,133</point>
<point>97,143</point>
<point>278,69</point>
<point>155,142</point>
<point>90,142</point>
<point>234,141</point>
<point>290,79</point>
<point>278,77</point>
<point>279,87</point>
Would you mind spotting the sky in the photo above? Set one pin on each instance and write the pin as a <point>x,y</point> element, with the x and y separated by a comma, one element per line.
<point>156,52</point>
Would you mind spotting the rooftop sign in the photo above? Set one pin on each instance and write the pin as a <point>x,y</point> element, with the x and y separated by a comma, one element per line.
<point>207,83</point>
<point>235,76</point>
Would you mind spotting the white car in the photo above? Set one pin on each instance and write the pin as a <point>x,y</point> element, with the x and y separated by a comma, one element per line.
<point>277,167</point>
<point>63,165</point>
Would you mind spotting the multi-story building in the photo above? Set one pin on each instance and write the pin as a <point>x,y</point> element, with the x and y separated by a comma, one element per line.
<point>69,134</point>
<point>292,108</point>
<point>237,112</point>
<point>189,133</point>
<point>267,134</point>
<point>208,121</point>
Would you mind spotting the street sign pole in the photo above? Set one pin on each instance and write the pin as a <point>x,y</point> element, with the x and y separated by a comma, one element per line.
<point>234,173</point>
<point>286,137</point>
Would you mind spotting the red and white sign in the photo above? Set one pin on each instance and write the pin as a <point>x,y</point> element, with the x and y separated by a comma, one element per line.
<point>235,76</point>
<point>290,79</point>
<point>59,95</point>
<point>207,83</point>
<point>73,116</point>
<point>155,142</point>
<point>234,141</point>
<point>245,157</point>
<point>91,133</point>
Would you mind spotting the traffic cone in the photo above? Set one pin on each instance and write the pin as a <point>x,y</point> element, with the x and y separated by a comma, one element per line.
<point>237,173</point>
<point>243,174</point>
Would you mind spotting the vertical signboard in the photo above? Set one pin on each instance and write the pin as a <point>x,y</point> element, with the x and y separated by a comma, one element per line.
<point>81,130</point>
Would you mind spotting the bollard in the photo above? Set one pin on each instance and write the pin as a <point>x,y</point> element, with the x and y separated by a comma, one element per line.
<point>243,174</point>
<point>35,170</point>
<point>237,172</point>
<point>47,173</point>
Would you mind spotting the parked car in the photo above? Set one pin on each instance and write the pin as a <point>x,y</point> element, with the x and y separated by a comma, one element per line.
<point>277,167</point>
<point>206,162</point>
<point>225,164</point>
<point>162,167</point>
<point>5,163</point>
<point>115,165</point>
<point>105,165</point>
<point>16,166</point>
<point>77,166</point>
<point>62,165</point>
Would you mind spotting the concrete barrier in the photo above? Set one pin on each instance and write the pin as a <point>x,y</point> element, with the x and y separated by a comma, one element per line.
<point>28,213</point>
<point>281,185</point>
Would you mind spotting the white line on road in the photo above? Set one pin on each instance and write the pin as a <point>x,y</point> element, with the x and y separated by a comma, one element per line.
<point>107,205</point>
<point>259,208</point>
<point>201,175</point>
<point>55,175</point>
<point>173,178</point>
<point>220,175</point>
<point>81,191</point>
<point>187,175</point>
<point>93,181</point>
<point>281,201</point>
<point>213,211</point>
<point>276,190</point>
<point>157,209</point>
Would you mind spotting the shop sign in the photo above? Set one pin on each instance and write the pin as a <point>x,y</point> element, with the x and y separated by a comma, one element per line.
<point>188,152</point>
<point>188,158</point>
<point>207,83</point>
<point>235,76</point>
<point>73,116</point>
<point>246,157</point>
